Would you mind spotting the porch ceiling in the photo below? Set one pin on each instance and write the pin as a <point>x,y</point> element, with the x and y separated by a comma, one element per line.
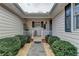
<point>36,7</point>
<point>34,11</point>
<point>16,9</point>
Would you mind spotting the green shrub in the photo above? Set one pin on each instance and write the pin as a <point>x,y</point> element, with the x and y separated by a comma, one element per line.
<point>46,38</point>
<point>9,46</point>
<point>23,39</point>
<point>64,48</point>
<point>51,39</point>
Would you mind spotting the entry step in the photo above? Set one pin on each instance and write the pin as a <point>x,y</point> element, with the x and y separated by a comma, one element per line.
<point>37,42</point>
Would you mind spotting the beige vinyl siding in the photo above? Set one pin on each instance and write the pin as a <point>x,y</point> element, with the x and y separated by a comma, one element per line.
<point>10,24</point>
<point>58,27</point>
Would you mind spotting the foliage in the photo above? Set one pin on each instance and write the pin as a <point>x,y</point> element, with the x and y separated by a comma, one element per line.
<point>64,48</point>
<point>23,39</point>
<point>9,46</point>
<point>51,39</point>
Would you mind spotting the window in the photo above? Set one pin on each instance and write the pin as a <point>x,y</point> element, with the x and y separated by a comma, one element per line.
<point>76,8</point>
<point>72,17</point>
<point>77,22</point>
<point>68,18</point>
<point>76,15</point>
<point>37,24</point>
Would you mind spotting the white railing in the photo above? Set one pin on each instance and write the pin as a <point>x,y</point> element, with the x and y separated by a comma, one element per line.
<point>27,33</point>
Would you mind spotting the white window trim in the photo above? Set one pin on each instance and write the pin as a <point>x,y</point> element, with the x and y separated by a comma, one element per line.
<point>72,19</point>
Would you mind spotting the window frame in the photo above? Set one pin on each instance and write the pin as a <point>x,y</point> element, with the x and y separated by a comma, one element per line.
<point>74,19</point>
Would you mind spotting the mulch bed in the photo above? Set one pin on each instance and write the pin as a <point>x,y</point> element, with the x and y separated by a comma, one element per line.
<point>44,41</point>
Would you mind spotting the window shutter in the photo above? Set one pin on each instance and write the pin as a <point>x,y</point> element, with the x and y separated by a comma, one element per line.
<point>33,24</point>
<point>77,21</point>
<point>68,18</point>
<point>42,24</point>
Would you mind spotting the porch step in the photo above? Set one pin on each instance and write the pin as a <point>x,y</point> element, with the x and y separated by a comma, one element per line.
<point>37,39</point>
<point>37,42</point>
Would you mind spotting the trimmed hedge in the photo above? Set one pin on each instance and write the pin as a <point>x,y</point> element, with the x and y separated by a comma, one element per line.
<point>23,39</point>
<point>46,38</point>
<point>9,46</point>
<point>51,39</point>
<point>63,48</point>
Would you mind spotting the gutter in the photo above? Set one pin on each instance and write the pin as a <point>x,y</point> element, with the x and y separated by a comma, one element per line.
<point>4,6</point>
<point>17,6</point>
<point>53,8</point>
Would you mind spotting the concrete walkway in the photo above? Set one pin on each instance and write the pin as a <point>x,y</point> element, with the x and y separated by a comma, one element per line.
<point>37,49</point>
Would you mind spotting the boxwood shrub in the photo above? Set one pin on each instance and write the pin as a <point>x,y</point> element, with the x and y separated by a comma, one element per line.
<point>23,39</point>
<point>51,39</point>
<point>9,46</point>
<point>46,38</point>
<point>64,48</point>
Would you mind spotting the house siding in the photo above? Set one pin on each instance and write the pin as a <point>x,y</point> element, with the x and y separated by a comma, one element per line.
<point>58,29</point>
<point>10,24</point>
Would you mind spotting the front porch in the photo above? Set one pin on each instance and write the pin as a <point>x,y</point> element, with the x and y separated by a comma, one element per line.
<point>49,31</point>
<point>38,27</point>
